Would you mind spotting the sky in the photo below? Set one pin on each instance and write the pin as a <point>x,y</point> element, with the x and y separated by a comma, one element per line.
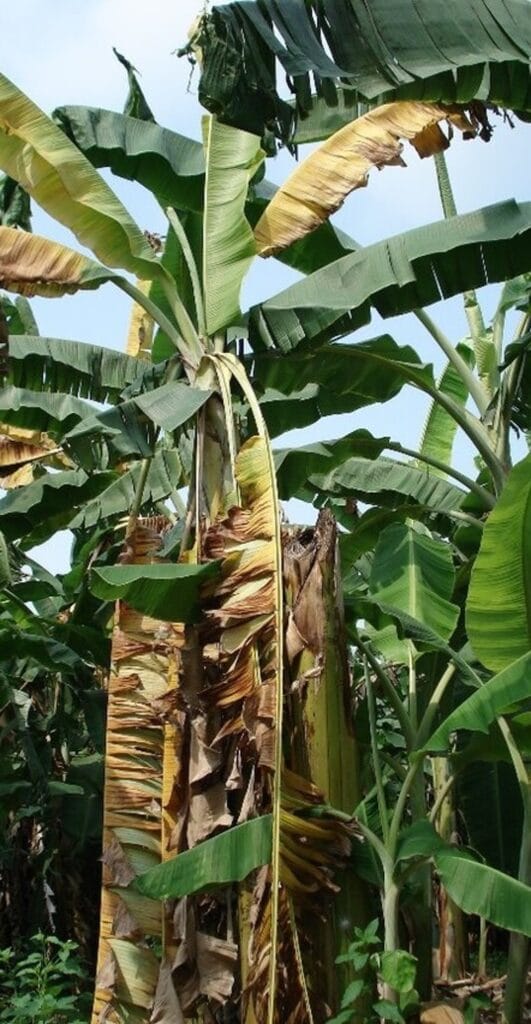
<point>60,52</point>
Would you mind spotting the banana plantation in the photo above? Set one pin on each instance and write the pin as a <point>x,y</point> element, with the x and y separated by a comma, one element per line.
<point>255,772</point>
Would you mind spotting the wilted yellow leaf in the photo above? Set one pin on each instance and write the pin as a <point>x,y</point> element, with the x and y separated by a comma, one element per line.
<point>341,164</point>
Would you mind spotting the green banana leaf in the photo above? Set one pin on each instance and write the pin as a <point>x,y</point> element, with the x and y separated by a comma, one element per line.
<point>35,512</point>
<point>54,414</point>
<point>173,168</point>
<point>365,529</point>
<point>440,428</point>
<point>164,476</point>
<point>480,710</point>
<point>476,888</point>
<point>46,652</point>
<point>386,482</point>
<point>394,49</point>
<point>415,573</point>
<point>491,747</point>
<point>18,316</point>
<point>71,367</point>
<point>347,377</point>
<point>136,104</point>
<point>498,608</point>
<point>166,591</point>
<point>295,465</point>
<point>15,210</point>
<point>480,889</point>
<point>229,857</point>
<point>397,275</point>
<point>232,158</point>
<point>37,154</point>
<point>129,426</point>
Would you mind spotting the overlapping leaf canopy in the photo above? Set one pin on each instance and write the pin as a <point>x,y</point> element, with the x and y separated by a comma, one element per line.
<point>391,49</point>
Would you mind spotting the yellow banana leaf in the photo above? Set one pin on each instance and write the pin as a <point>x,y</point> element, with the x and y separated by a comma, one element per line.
<point>36,153</point>
<point>341,164</point>
<point>140,333</point>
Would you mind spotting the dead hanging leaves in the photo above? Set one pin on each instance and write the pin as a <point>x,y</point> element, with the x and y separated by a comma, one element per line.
<point>128,971</point>
<point>192,733</point>
<point>322,182</point>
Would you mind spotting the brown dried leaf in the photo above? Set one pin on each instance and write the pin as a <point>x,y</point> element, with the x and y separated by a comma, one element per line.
<point>116,867</point>
<point>204,759</point>
<point>166,1005</point>
<point>15,453</point>
<point>441,1013</point>
<point>107,976</point>
<point>125,925</point>
<point>19,478</point>
<point>216,962</point>
<point>208,813</point>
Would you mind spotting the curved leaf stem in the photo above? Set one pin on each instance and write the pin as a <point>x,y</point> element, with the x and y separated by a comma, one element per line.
<point>488,499</point>
<point>137,500</point>
<point>186,342</point>
<point>400,805</point>
<point>377,767</point>
<point>388,689</point>
<point>476,323</point>
<point>375,842</point>
<point>441,797</point>
<point>473,385</point>
<point>433,705</point>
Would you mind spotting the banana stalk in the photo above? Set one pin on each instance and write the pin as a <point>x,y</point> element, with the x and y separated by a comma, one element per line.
<point>324,747</point>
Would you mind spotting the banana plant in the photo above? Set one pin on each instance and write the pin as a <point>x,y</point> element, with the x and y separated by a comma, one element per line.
<point>249,840</point>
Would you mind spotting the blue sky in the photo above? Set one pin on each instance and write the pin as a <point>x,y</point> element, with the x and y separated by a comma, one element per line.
<point>60,52</point>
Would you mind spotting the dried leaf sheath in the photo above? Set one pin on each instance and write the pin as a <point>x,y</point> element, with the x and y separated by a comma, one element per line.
<point>142,652</point>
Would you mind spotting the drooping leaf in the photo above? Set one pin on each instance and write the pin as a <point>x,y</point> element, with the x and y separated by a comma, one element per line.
<point>35,152</point>
<point>53,414</point>
<point>415,573</point>
<point>387,482</point>
<point>33,513</point>
<point>475,887</point>
<point>342,378</point>
<point>498,611</point>
<point>294,466</point>
<point>32,265</point>
<point>44,650</point>
<point>397,275</point>
<point>168,407</point>
<point>232,158</point>
<point>229,857</point>
<point>394,50</point>
<point>72,367</point>
<point>480,889</point>
<point>166,591</point>
<point>172,167</point>
<point>321,183</point>
<point>487,703</point>
<point>164,476</point>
